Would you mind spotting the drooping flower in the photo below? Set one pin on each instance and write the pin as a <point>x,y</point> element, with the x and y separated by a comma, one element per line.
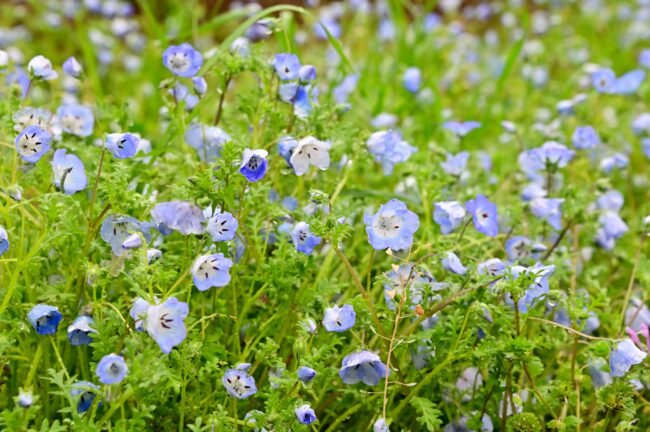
<point>153,255</point>
<point>208,141</point>
<point>86,391</point>
<point>221,226</point>
<point>239,383</point>
<point>180,216</point>
<point>552,154</point>
<point>200,85</point>
<point>380,425</point>
<point>392,226</point>
<point>455,164</point>
<point>412,79</point>
<point>548,209</point>
<point>182,60</point>
<point>133,241</point>
<point>305,414</point>
<point>449,215</point>
<point>254,164</point>
<point>44,318</point>
<point>452,263</point>
<point>310,151</point>
<point>32,143</point>
<point>339,319</point>
<point>287,66</point>
<point>307,73</point>
<point>306,374</point>
<point>69,172</point>
<point>79,331</point>
<point>122,145</point>
<point>585,137</point>
<point>460,128</point>
<point>4,240</point>
<point>40,68</point>
<point>211,271</point>
<point>303,238</point>
<point>363,366</point>
<point>484,214</point>
<point>165,322</point>
<point>72,67</point>
<point>111,369</point>
<point>76,119</point>
<point>417,281</point>
<point>624,357</point>
<point>492,267</point>
<point>388,148</point>
<point>116,229</point>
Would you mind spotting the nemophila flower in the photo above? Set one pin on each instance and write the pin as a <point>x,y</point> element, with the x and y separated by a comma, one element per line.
<point>29,116</point>
<point>412,79</point>
<point>455,164</point>
<point>551,154</point>
<point>452,263</point>
<point>339,319</point>
<point>25,398</point>
<point>260,30</point>
<point>200,85</point>
<point>644,58</point>
<point>624,357</point>
<point>4,59</point>
<point>76,119</point>
<point>309,325</point>
<point>133,241</point>
<point>469,380</point>
<point>460,128</point>
<point>111,369</point>
<point>79,331</point>
<point>641,124</point>
<point>306,374</point>
<point>343,91</point>
<point>254,164</point>
<point>384,120</point>
<point>182,60</point>
<point>4,240</point>
<point>116,229</point>
<point>548,209</point>
<point>181,93</point>
<point>585,137</point>
<point>208,141</point>
<point>305,414</point>
<point>221,226</point>
<point>603,80</point>
<point>69,172</point>
<point>287,66</point>
<point>307,73</point>
<point>165,322</point>
<point>122,145</point>
<point>180,216</point>
<point>303,238</point>
<point>86,391</point>
<point>44,318</point>
<point>239,384</point>
<point>538,288</point>
<point>310,151</point>
<point>32,143</point>
<point>617,160</point>
<point>40,68</point>
<point>417,281</point>
<point>448,215</point>
<point>492,267</point>
<point>153,255</point>
<point>484,214</point>
<point>612,224</point>
<point>380,425</point>
<point>388,148</point>
<point>628,83</point>
<point>211,271</point>
<point>72,67</point>
<point>392,226</point>
<point>363,366</point>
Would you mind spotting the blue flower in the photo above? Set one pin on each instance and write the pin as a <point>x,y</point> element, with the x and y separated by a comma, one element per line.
<point>310,151</point>
<point>76,119</point>
<point>585,137</point>
<point>180,216</point>
<point>287,66</point>
<point>307,73</point>
<point>261,30</point>
<point>392,226</point>
<point>484,214</point>
<point>552,154</point>
<point>603,80</point>
<point>617,160</point>
<point>221,226</point>
<point>548,209</point>
<point>208,141</point>
<point>79,331</point>
<point>305,414</point>
<point>254,164</point>
<point>133,241</point>
<point>644,58</point>
<point>455,164</point>
<point>286,146</point>
<point>449,215</point>
<point>31,116</point>
<point>18,78</point>
<point>211,271</point>
<point>612,200</point>
<point>412,79</point>
<point>492,267</point>
<point>239,384</point>
<point>389,148</point>
<point>380,425</point>
<point>164,322</point>
<point>612,224</point>
<point>339,319</point>
<point>182,60</point>
<point>418,281</point>
<point>116,229</point>
<point>362,366</point>
<point>69,172</point>
<point>306,374</point>
<point>624,357</point>
<point>122,145</point>
<point>4,240</point>
<point>303,238</point>
<point>40,68</point>
<point>86,392</point>
<point>536,289</point>
<point>111,369</point>
<point>32,143</point>
<point>342,92</point>
<point>200,85</point>
<point>461,128</point>
<point>44,318</point>
<point>452,263</point>
<point>72,67</point>
<point>519,247</point>
<point>629,83</point>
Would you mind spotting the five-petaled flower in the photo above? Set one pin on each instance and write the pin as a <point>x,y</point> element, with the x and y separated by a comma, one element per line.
<point>392,226</point>
<point>363,366</point>
<point>339,319</point>
<point>32,143</point>
<point>211,271</point>
<point>484,214</point>
<point>111,369</point>
<point>182,60</point>
<point>239,383</point>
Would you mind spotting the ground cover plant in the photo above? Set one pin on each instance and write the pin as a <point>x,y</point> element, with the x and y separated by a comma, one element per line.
<point>339,217</point>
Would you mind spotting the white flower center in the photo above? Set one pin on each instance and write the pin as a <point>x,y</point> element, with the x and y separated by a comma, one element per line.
<point>179,61</point>
<point>208,268</point>
<point>29,144</point>
<point>72,123</point>
<point>387,225</point>
<point>237,385</point>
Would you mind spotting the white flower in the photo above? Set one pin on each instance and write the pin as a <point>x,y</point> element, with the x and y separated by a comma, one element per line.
<point>40,67</point>
<point>310,151</point>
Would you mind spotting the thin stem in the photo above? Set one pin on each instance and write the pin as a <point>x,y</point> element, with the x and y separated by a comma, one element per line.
<point>222,97</point>
<point>570,330</point>
<point>558,240</point>
<point>630,284</point>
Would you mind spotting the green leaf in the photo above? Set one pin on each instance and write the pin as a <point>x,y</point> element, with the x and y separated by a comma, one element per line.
<point>430,414</point>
